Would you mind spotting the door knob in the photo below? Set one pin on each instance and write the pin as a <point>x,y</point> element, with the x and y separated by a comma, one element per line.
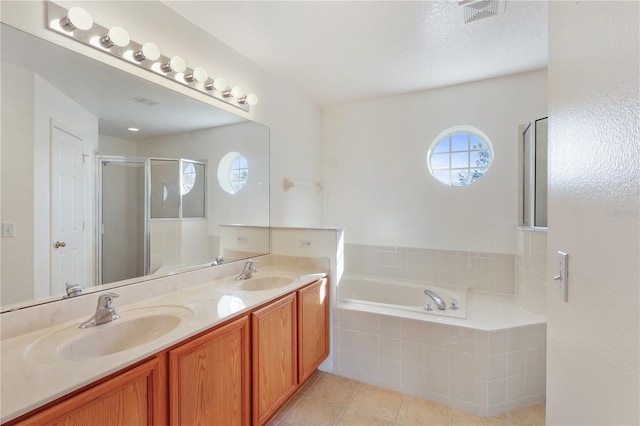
<point>59,244</point>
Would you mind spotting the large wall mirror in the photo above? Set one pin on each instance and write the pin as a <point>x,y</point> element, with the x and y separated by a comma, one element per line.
<point>88,200</point>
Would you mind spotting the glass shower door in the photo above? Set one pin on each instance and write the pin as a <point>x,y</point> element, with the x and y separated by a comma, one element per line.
<point>123,210</point>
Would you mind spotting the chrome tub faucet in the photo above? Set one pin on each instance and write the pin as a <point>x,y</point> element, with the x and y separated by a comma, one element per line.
<point>438,301</point>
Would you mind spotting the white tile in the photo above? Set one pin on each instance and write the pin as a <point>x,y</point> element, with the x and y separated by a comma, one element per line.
<point>436,334</point>
<point>390,327</point>
<point>349,364</point>
<point>437,359</point>
<point>369,366</point>
<point>536,336</point>
<point>515,363</point>
<point>368,323</point>
<point>412,330</point>
<point>412,353</point>
<point>506,267</point>
<point>497,392</point>
<point>534,383</point>
<point>462,339</point>
<point>437,382</point>
<point>390,349</point>
<point>464,364</point>
<point>349,319</point>
<point>440,399</point>
<point>463,388</point>
<point>516,338</point>
<point>412,376</point>
<point>482,391</point>
<point>536,359</point>
<point>515,388</point>
<point>482,341</point>
<point>349,340</point>
<point>465,406</point>
<point>482,368</point>
<point>390,371</point>
<point>368,344</point>
<point>497,368</point>
<point>494,410</point>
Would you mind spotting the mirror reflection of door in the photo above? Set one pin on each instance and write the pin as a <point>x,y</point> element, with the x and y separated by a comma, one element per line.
<point>123,249</point>
<point>70,259</point>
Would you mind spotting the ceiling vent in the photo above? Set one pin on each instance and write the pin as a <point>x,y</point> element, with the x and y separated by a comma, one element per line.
<point>475,10</point>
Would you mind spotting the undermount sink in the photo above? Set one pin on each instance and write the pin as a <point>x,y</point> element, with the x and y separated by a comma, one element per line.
<point>134,328</point>
<point>265,281</point>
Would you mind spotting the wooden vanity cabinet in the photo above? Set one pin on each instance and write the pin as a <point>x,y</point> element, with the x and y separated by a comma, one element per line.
<point>209,378</point>
<point>274,353</point>
<point>135,397</point>
<point>313,328</point>
<point>238,373</point>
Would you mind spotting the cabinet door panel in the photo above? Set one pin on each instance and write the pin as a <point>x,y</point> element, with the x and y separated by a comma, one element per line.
<point>209,378</point>
<point>275,376</point>
<point>130,399</point>
<point>313,327</point>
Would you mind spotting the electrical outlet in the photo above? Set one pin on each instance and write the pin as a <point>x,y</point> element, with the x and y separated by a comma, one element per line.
<point>304,243</point>
<point>8,230</point>
<point>243,239</point>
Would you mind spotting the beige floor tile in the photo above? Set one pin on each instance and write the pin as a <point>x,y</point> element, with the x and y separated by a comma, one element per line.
<point>416,411</point>
<point>356,418</point>
<point>314,411</point>
<point>529,416</point>
<point>306,387</point>
<point>376,401</point>
<point>335,389</point>
<point>288,406</point>
<point>461,418</point>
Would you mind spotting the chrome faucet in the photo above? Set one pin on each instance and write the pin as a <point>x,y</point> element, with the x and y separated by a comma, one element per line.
<point>219,260</point>
<point>247,270</point>
<point>105,311</point>
<point>438,301</point>
<point>73,290</point>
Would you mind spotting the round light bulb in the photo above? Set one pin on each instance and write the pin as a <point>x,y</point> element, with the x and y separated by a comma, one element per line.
<point>250,99</point>
<point>117,36</point>
<point>148,51</point>
<point>236,92</point>
<point>198,74</point>
<point>175,64</point>
<point>78,18</point>
<point>218,83</point>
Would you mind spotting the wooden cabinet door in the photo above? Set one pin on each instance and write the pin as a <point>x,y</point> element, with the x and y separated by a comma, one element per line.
<point>135,397</point>
<point>275,373</point>
<point>209,378</point>
<point>313,327</point>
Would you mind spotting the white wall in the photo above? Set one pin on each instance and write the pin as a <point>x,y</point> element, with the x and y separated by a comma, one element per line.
<point>593,360</point>
<point>377,180</point>
<point>293,120</point>
<point>17,180</point>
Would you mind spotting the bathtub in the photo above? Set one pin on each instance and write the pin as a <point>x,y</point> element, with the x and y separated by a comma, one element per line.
<point>471,359</point>
<point>395,295</point>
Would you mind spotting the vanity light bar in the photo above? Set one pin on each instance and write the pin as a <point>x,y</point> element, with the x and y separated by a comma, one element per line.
<point>78,24</point>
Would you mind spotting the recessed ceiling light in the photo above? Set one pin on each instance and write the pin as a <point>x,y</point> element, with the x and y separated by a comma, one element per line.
<point>133,129</point>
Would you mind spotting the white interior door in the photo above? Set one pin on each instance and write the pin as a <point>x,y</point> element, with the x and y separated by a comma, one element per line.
<point>68,225</point>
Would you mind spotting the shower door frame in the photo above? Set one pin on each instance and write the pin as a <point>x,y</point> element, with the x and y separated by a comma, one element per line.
<point>100,228</point>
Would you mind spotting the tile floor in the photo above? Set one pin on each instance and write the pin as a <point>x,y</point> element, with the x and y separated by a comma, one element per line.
<point>326,399</point>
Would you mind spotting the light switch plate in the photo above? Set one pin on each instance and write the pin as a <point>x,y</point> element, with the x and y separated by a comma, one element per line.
<point>563,271</point>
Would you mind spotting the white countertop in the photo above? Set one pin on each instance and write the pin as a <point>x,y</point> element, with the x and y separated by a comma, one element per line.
<point>27,384</point>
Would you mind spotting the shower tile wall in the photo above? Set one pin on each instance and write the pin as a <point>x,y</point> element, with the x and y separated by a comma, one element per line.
<point>176,242</point>
<point>482,271</point>
<point>482,372</point>
<point>531,271</point>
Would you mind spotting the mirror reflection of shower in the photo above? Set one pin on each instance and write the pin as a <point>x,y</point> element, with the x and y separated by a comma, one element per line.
<point>147,207</point>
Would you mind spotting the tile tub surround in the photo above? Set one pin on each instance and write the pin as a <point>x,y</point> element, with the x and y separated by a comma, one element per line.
<point>28,384</point>
<point>483,372</point>
<point>531,271</point>
<point>481,271</point>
